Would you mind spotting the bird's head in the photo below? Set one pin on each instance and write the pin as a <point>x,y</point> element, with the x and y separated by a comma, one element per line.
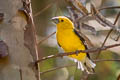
<point>63,22</point>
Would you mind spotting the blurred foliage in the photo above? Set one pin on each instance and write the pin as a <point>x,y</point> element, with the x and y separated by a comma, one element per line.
<point>48,64</point>
<point>41,21</point>
<point>104,70</point>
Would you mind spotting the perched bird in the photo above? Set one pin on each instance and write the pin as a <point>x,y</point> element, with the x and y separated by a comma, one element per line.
<point>69,39</point>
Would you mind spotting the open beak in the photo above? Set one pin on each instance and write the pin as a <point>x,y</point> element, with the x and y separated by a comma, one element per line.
<point>55,20</point>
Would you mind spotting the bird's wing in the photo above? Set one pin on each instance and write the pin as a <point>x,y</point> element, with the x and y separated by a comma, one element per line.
<point>58,44</point>
<point>83,41</point>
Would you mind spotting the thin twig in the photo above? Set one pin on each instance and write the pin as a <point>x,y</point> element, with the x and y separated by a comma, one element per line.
<point>100,18</point>
<point>111,7</point>
<point>84,76</point>
<point>101,60</point>
<point>117,17</point>
<point>56,68</point>
<point>1,16</point>
<point>80,51</point>
<point>117,37</point>
<point>44,9</point>
<point>46,37</point>
<point>53,69</point>
<point>20,70</point>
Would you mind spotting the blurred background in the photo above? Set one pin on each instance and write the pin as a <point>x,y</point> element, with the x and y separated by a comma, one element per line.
<point>43,11</point>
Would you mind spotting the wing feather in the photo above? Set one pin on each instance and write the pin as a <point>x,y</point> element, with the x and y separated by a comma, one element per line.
<point>58,44</point>
<point>83,41</point>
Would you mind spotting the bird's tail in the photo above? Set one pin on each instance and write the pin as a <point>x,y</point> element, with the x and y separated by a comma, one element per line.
<point>87,65</point>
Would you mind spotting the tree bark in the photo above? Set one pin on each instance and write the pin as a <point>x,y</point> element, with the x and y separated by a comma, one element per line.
<point>15,65</point>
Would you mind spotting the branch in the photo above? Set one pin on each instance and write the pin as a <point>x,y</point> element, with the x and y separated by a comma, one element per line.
<point>106,60</point>
<point>101,19</point>
<point>46,37</point>
<point>110,7</point>
<point>21,77</point>
<point>28,8</point>
<point>44,9</point>
<point>56,68</point>
<point>117,17</point>
<point>79,52</point>
<point>53,69</point>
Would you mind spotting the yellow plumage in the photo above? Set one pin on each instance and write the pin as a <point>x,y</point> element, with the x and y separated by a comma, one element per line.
<point>70,41</point>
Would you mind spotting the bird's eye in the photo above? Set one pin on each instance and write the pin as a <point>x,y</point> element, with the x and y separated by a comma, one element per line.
<point>62,20</point>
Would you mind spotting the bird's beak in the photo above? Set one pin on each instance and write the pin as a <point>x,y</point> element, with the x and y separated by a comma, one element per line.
<point>55,20</point>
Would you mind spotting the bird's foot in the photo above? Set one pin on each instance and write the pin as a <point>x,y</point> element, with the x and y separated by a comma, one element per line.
<point>77,52</point>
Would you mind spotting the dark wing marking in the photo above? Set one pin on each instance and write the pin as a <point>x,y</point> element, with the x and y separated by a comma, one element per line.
<point>59,44</point>
<point>83,41</point>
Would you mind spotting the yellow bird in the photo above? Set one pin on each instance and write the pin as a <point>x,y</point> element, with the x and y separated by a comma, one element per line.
<point>70,40</point>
